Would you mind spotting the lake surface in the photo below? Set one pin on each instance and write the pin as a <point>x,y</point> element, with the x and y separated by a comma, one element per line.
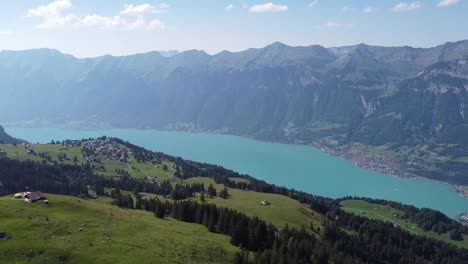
<point>301,167</point>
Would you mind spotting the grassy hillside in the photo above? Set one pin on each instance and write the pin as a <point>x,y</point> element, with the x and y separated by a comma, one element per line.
<point>21,152</point>
<point>389,214</point>
<point>71,215</point>
<point>283,210</point>
<point>36,233</point>
<point>73,230</point>
<point>73,155</point>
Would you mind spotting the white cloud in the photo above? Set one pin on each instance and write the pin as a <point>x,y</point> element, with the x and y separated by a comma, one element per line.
<point>139,10</point>
<point>444,3</point>
<point>51,22</point>
<point>403,6</point>
<point>369,9</point>
<point>268,7</point>
<point>53,17</point>
<point>51,9</point>
<point>230,7</point>
<point>118,22</point>
<point>313,3</point>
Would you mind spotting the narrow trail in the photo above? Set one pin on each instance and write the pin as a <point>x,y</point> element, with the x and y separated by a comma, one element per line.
<point>388,219</point>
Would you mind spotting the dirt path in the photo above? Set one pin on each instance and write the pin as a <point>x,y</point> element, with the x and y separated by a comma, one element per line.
<point>388,219</point>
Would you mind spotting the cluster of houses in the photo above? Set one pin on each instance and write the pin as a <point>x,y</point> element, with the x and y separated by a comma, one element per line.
<point>31,197</point>
<point>99,150</point>
<point>3,154</point>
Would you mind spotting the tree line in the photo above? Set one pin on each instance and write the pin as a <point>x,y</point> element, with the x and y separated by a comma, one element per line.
<point>425,218</point>
<point>369,241</point>
<point>366,241</point>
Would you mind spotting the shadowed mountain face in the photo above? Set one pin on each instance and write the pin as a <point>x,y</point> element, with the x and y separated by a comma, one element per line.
<point>7,139</point>
<point>428,106</point>
<point>398,96</point>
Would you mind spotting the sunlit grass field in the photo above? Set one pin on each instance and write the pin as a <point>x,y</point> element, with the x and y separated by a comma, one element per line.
<point>389,214</point>
<point>73,230</point>
<point>283,210</point>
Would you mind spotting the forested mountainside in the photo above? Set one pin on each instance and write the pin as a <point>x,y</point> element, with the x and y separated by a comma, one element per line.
<point>316,230</point>
<point>410,102</point>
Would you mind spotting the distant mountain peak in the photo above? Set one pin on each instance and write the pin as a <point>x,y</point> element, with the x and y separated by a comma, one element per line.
<point>194,53</point>
<point>277,44</point>
<point>169,53</point>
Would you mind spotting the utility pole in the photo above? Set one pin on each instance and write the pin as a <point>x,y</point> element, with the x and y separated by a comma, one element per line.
<point>109,226</point>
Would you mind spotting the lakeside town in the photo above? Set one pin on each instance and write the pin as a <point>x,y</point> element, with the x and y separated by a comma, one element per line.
<point>384,165</point>
<point>97,150</point>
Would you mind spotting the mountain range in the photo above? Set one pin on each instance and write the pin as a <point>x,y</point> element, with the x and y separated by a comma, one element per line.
<point>407,105</point>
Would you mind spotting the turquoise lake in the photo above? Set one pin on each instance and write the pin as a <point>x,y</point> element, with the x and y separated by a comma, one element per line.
<point>301,167</point>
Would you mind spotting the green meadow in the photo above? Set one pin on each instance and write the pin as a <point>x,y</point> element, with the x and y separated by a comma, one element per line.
<point>73,230</point>
<point>20,152</point>
<point>389,214</point>
<point>142,170</point>
<point>282,210</point>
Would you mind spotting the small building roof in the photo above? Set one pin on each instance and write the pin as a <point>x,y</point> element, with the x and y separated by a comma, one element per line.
<point>34,196</point>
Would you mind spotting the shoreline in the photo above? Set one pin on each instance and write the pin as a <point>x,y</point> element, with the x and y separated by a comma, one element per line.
<point>387,167</point>
<point>354,155</point>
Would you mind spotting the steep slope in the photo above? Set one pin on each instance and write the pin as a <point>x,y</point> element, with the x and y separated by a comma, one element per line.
<point>7,139</point>
<point>293,86</point>
<point>326,96</point>
<point>189,228</point>
<point>429,114</point>
<point>432,105</point>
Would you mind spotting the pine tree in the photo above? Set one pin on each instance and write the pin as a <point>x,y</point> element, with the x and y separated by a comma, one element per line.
<point>130,202</point>
<point>224,193</point>
<point>159,210</point>
<point>205,218</point>
<point>241,257</point>
<point>211,191</point>
<point>138,202</point>
<point>212,221</point>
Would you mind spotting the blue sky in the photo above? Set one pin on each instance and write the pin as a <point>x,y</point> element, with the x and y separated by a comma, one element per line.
<point>88,28</point>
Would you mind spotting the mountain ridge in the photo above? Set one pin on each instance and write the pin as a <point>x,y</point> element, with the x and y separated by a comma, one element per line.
<point>330,97</point>
<point>276,43</point>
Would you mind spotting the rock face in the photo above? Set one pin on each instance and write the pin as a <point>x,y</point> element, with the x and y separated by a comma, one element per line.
<point>432,105</point>
<point>398,96</point>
